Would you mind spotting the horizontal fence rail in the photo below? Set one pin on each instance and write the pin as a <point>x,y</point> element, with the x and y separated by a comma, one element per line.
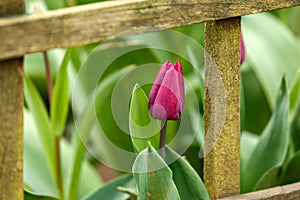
<point>80,25</point>
<point>90,23</point>
<point>286,192</point>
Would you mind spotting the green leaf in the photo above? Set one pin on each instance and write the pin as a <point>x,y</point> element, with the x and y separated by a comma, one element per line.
<point>153,177</point>
<point>248,143</point>
<point>42,123</point>
<point>109,191</point>
<point>142,127</point>
<point>269,179</point>
<point>270,55</point>
<point>292,172</point>
<point>60,98</point>
<point>32,196</point>
<point>186,179</point>
<point>295,95</point>
<point>37,175</point>
<point>272,146</point>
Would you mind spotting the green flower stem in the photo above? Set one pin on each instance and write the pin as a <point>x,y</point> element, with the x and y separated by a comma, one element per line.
<point>57,138</point>
<point>163,138</point>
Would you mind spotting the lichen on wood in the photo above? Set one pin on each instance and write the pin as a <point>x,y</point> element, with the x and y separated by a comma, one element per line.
<point>222,107</point>
<point>79,25</point>
<point>11,118</point>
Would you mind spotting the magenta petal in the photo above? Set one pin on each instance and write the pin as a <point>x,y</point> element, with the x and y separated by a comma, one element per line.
<point>167,94</point>
<point>158,80</point>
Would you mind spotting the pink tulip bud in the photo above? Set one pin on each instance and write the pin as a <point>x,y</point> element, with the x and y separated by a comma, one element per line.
<point>242,49</point>
<point>167,93</point>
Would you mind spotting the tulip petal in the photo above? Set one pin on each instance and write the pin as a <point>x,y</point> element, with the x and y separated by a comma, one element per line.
<point>167,94</point>
<point>167,97</point>
<point>158,80</point>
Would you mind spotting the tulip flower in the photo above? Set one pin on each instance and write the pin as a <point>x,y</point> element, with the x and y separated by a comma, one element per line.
<point>242,49</point>
<point>167,94</point>
<point>167,97</point>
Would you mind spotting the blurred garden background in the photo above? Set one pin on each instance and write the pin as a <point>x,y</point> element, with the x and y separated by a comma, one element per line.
<point>270,106</point>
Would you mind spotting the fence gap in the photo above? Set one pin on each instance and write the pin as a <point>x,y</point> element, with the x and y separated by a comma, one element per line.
<point>11,118</point>
<point>222,107</point>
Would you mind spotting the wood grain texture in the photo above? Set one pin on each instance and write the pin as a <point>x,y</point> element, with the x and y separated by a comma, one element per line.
<point>12,7</point>
<point>11,130</point>
<point>286,192</point>
<point>11,118</point>
<point>222,107</point>
<point>95,22</point>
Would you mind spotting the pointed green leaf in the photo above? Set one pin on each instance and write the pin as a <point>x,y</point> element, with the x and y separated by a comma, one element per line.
<point>109,191</point>
<point>186,179</point>
<point>142,127</point>
<point>37,173</point>
<point>272,147</point>
<point>269,179</point>
<point>153,177</point>
<point>292,172</point>
<point>295,95</point>
<point>60,98</point>
<point>42,123</point>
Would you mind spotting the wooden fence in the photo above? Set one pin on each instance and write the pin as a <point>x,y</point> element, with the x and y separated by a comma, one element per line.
<point>21,34</point>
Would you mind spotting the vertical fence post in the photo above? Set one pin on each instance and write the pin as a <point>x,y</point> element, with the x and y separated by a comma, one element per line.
<point>222,107</point>
<point>11,117</point>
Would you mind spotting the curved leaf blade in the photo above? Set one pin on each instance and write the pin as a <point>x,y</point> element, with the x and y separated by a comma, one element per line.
<point>292,172</point>
<point>142,127</point>
<point>109,191</point>
<point>42,123</point>
<point>270,55</point>
<point>272,146</point>
<point>60,98</point>
<point>186,179</point>
<point>32,196</point>
<point>153,177</point>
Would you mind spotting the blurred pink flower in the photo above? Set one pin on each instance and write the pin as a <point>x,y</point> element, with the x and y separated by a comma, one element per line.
<point>242,49</point>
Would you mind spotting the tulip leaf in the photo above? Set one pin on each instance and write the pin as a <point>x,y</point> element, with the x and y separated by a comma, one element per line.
<point>186,179</point>
<point>292,172</point>
<point>295,95</point>
<point>142,127</point>
<point>37,175</point>
<point>265,156</point>
<point>269,179</point>
<point>110,190</point>
<point>32,196</point>
<point>248,143</point>
<point>270,55</point>
<point>153,177</point>
<point>39,112</point>
<point>60,98</point>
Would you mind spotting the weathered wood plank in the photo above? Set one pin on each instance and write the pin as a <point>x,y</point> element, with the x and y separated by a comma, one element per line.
<point>94,22</point>
<point>12,7</point>
<point>286,192</point>
<point>11,130</point>
<point>11,118</point>
<point>222,107</point>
